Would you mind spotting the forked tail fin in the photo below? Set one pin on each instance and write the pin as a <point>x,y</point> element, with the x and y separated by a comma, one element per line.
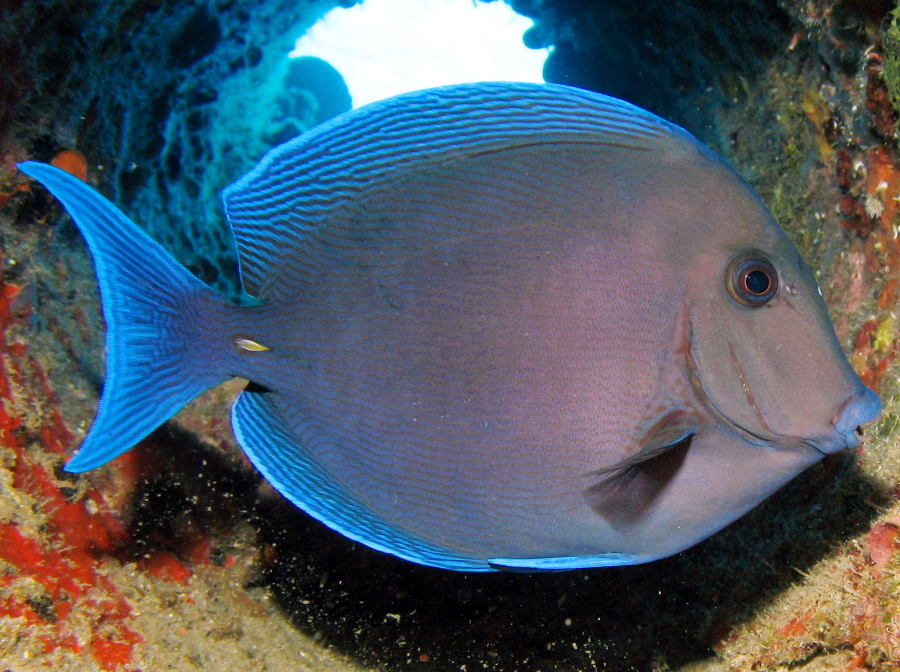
<point>161,323</point>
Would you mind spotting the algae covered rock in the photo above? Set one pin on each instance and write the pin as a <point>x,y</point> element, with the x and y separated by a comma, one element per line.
<point>890,41</point>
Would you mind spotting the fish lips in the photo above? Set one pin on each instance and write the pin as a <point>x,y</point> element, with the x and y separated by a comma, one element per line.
<point>860,409</point>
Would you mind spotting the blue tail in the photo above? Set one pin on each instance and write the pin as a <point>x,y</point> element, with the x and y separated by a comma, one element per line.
<point>160,322</point>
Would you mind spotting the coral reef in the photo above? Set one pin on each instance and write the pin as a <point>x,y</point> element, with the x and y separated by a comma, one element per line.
<point>155,93</point>
<point>176,555</point>
<point>116,571</point>
<point>680,60</point>
<point>51,532</point>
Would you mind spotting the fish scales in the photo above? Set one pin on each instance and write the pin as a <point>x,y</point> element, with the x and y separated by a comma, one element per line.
<point>489,326</point>
<point>515,334</point>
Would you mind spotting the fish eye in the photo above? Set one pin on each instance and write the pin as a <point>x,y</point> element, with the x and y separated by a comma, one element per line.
<point>752,280</point>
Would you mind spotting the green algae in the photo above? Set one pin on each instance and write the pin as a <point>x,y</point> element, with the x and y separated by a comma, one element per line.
<point>890,41</point>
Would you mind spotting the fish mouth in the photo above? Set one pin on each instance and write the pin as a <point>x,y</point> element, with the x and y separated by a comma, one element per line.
<point>860,409</point>
<point>763,435</point>
<point>846,431</point>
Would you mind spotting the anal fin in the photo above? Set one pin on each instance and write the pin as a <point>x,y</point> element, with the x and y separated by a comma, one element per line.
<point>562,563</point>
<point>272,447</point>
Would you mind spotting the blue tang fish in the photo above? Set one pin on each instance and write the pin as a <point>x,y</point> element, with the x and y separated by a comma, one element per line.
<point>489,326</point>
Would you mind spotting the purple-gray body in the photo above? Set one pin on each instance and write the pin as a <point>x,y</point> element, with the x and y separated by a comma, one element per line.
<point>530,347</point>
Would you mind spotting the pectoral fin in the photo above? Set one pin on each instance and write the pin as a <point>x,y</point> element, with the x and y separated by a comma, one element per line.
<point>623,492</point>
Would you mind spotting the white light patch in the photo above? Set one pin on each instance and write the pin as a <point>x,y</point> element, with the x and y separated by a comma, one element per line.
<point>386,47</point>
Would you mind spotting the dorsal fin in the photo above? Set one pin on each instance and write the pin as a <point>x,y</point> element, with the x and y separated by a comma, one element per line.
<point>298,185</point>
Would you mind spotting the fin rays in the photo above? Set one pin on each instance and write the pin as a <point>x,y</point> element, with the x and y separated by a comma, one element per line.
<point>624,492</point>
<point>299,185</point>
<point>154,311</point>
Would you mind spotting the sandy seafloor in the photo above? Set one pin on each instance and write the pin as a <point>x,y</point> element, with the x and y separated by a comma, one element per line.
<point>178,557</point>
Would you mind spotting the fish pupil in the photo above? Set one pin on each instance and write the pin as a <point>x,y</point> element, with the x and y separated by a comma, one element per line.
<point>757,282</point>
<point>751,279</point>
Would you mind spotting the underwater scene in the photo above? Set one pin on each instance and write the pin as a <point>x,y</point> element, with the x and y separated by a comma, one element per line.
<point>449,335</point>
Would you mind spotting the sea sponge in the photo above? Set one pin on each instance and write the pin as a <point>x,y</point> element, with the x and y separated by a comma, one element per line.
<point>72,161</point>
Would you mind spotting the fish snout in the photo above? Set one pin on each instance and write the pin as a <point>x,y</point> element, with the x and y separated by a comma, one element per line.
<point>860,409</point>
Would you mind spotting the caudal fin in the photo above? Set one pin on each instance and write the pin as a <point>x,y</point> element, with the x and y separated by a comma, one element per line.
<point>158,320</point>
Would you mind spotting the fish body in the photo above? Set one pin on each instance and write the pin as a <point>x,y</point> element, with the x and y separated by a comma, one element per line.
<point>492,326</point>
